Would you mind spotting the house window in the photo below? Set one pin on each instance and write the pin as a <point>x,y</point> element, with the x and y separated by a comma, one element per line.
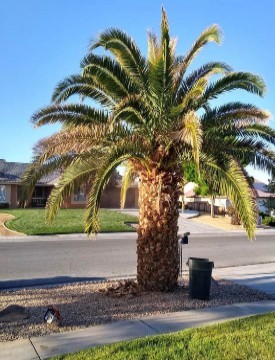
<point>3,194</point>
<point>39,192</point>
<point>79,195</point>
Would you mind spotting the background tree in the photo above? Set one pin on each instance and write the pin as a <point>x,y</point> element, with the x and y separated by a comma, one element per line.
<point>204,185</point>
<point>153,114</point>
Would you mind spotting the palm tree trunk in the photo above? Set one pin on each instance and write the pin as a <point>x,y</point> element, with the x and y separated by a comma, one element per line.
<point>212,210</point>
<point>157,243</point>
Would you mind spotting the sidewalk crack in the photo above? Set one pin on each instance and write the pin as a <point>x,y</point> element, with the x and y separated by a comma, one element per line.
<point>150,327</point>
<point>34,349</point>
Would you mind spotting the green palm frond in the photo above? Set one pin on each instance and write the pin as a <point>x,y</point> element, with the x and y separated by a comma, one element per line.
<point>211,34</point>
<point>78,173</point>
<point>108,74</point>
<point>204,72</point>
<point>235,114</point>
<point>263,160</point>
<point>191,96</point>
<point>263,132</point>
<point>37,170</point>
<point>118,155</point>
<point>136,111</point>
<point>236,80</point>
<point>126,53</point>
<point>231,181</point>
<point>85,87</point>
<point>167,52</point>
<point>69,114</point>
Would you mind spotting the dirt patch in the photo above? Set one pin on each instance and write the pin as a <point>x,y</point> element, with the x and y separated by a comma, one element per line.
<point>220,222</point>
<point>4,231</point>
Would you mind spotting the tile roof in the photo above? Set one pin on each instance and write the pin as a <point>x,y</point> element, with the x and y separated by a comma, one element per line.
<point>11,172</point>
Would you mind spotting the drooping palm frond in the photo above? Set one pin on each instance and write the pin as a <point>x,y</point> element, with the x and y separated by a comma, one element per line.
<point>235,80</point>
<point>231,181</point>
<point>69,114</point>
<point>36,171</point>
<point>79,172</point>
<point>261,131</point>
<point>119,154</point>
<point>204,72</point>
<point>233,115</point>
<point>85,87</point>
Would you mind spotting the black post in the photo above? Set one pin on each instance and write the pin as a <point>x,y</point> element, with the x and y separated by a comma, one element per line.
<point>183,240</point>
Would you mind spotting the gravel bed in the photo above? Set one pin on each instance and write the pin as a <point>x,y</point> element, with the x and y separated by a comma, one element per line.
<point>84,304</point>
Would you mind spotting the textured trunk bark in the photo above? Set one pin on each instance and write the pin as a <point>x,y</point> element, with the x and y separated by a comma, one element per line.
<point>157,243</point>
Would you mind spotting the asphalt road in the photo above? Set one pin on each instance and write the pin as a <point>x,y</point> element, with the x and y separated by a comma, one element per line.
<point>38,260</point>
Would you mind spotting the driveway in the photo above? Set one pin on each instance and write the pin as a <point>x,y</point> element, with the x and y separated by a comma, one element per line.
<point>184,223</point>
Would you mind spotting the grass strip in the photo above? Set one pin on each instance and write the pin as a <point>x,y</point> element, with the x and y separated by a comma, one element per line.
<point>244,339</point>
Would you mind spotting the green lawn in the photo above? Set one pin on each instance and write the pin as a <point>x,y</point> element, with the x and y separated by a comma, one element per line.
<point>251,338</point>
<point>32,221</point>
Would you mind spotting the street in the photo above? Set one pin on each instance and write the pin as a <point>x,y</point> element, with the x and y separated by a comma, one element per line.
<point>50,259</point>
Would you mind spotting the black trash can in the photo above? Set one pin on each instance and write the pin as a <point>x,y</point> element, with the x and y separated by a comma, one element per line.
<point>200,272</point>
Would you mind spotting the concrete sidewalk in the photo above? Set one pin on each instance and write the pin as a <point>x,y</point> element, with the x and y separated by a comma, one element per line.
<point>47,346</point>
<point>261,277</point>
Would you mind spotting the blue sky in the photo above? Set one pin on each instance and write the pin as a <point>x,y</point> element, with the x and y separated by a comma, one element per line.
<point>43,41</point>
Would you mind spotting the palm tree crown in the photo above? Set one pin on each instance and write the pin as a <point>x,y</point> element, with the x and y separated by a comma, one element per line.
<point>153,115</point>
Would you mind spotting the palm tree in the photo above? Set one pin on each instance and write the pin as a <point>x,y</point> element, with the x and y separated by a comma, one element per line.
<point>152,115</point>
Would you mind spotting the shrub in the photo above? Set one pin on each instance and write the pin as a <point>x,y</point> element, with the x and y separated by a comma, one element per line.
<point>4,205</point>
<point>269,221</point>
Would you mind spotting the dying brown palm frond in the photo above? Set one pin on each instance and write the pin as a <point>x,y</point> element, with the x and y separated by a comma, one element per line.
<point>73,140</point>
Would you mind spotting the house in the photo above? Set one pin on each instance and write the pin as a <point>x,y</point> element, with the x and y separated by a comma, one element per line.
<point>11,174</point>
<point>265,200</point>
<point>203,203</point>
<point>10,177</point>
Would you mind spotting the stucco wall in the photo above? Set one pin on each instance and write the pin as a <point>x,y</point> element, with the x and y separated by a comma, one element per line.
<point>110,199</point>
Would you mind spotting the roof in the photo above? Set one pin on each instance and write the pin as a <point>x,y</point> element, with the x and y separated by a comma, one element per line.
<point>11,172</point>
<point>261,190</point>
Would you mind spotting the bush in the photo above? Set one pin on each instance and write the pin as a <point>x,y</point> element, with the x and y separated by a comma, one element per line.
<point>269,221</point>
<point>4,205</point>
<point>262,214</point>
